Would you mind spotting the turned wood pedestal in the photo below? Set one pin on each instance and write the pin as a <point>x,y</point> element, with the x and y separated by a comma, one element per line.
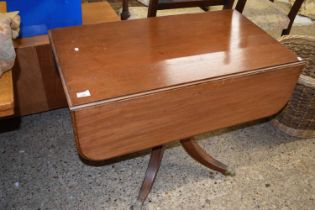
<point>193,149</point>
<point>141,84</point>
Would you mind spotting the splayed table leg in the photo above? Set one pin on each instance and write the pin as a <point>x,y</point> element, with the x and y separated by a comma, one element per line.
<point>201,156</point>
<point>150,175</point>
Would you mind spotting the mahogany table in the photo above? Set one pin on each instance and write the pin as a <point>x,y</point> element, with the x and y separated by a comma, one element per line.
<point>140,84</point>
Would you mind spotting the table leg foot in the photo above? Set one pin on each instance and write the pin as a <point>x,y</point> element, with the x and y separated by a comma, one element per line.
<point>150,175</point>
<point>137,206</point>
<point>205,8</point>
<point>125,14</point>
<point>201,156</point>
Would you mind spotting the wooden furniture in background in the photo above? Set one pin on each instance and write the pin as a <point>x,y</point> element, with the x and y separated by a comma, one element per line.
<point>155,5</point>
<point>3,6</point>
<point>307,9</point>
<point>37,84</point>
<point>98,12</point>
<point>36,79</point>
<point>241,4</point>
<point>131,93</point>
<point>6,95</point>
<point>264,13</point>
<point>6,86</point>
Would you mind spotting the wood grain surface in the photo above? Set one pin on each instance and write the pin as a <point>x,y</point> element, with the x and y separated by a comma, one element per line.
<point>3,6</point>
<point>126,126</point>
<point>124,58</point>
<point>31,41</point>
<point>36,80</point>
<point>6,94</point>
<point>98,12</point>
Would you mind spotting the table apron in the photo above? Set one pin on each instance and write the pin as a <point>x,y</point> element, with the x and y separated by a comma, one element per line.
<point>122,127</point>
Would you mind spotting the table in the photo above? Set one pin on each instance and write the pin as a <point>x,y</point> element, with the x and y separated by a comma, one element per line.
<point>140,84</point>
<point>6,94</point>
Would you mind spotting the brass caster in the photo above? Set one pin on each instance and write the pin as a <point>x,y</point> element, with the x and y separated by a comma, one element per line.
<point>137,206</point>
<point>230,172</point>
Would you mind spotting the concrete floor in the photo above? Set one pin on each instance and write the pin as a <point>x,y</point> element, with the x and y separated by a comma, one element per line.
<point>40,169</point>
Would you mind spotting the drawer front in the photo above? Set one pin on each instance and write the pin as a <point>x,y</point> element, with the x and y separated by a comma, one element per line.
<point>120,127</point>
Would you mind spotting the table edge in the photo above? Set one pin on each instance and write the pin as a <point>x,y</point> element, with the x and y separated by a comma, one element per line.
<point>158,90</point>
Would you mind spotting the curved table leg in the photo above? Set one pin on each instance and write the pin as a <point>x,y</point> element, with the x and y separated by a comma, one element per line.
<point>150,175</point>
<point>125,10</point>
<point>197,153</point>
<point>152,9</point>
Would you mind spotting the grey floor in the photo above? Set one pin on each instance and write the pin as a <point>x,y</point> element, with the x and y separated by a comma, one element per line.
<point>40,169</point>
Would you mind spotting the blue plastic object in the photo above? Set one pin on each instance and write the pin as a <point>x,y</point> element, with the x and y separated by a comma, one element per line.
<point>38,16</point>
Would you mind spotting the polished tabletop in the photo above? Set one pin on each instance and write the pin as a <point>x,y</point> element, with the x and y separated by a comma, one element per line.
<point>115,60</point>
